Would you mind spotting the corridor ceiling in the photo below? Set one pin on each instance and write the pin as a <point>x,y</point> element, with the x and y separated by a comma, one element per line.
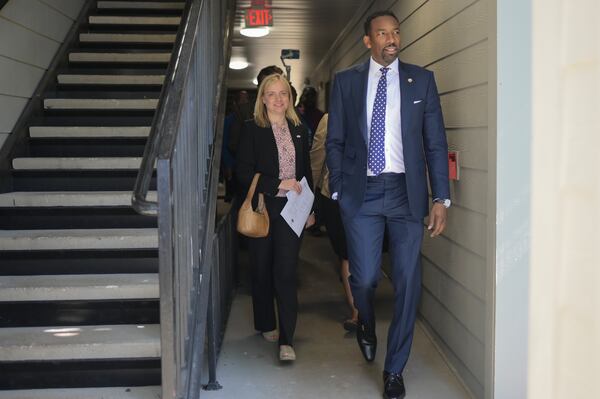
<point>308,25</point>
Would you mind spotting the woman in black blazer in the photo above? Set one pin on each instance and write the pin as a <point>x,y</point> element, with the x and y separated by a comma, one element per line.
<point>275,144</point>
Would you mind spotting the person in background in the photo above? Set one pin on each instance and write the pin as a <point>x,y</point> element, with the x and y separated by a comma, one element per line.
<point>266,71</point>
<point>330,216</point>
<point>275,144</point>
<point>307,107</point>
<point>380,156</point>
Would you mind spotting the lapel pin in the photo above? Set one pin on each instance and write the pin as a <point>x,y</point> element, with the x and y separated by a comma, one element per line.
<point>410,80</point>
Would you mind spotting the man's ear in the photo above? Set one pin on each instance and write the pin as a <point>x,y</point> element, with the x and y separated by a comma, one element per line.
<point>367,41</point>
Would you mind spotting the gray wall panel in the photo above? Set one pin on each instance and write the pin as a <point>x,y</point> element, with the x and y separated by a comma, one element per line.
<point>467,228</point>
<point>71,8</point>
<point>31,32</point>
<point>426,18</point>
<point>469,141</point>
<point>468,193</point>
<point>38,17</point>
<point>470,381</point>
<point>459,301</point>
<point>18,79</point>
<point>462,69</point>
<point>23,45</point>
<point>464,266</point>
<point>464,30</point>
<point>454,334</point>
<point>465,107</point>
<point>10,109</point>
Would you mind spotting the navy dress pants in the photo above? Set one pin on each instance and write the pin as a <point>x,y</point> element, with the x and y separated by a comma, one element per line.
<point>386,204</point>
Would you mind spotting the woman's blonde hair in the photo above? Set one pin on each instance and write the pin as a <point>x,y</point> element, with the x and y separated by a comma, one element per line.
<point>260,111</point>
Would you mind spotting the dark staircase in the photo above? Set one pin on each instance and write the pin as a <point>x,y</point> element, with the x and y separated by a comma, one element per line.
<point>79,301</point>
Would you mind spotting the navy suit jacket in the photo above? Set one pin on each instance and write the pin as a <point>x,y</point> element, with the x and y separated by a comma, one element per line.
<point>423,138</point>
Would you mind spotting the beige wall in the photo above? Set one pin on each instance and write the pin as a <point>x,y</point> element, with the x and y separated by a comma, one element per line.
<point>31,31</point>
<point>449,37</point>
<point>564,339</point>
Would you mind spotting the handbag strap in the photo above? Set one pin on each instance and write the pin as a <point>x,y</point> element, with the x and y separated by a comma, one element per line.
<point>252,188</point>
<point>250,195</point>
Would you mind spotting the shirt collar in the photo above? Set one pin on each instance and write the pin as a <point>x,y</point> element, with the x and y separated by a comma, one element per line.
<point>374,67</point>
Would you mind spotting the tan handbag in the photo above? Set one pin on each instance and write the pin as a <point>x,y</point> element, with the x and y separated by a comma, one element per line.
<point>253,223</point>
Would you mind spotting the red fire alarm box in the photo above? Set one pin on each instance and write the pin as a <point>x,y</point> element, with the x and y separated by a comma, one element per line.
<point>453,169</point>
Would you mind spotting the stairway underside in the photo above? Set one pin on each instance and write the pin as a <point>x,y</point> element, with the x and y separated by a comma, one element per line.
<point>79,300</point>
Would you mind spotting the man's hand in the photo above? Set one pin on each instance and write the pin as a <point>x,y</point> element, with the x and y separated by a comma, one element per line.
<point>437,219</point>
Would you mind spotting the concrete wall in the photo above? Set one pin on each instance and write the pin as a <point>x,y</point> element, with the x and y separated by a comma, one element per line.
<point>449,37</point>
<point>31,32</point>
<point>564,343</point>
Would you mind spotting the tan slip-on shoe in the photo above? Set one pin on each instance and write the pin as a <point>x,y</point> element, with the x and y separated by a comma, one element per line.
<point>286,353</point>
<point>271,336</point>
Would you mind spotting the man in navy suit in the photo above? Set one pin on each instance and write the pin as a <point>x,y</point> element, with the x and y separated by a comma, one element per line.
<point>385,135</point>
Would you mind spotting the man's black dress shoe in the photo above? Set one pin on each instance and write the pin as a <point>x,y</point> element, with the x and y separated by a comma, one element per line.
<point>393,386</point>
<point>367,341</point>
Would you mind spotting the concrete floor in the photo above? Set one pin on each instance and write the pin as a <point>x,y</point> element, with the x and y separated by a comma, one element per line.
<point>329,364</point>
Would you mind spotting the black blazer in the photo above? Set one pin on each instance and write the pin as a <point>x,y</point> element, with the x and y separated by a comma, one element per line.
<point>257,152</point>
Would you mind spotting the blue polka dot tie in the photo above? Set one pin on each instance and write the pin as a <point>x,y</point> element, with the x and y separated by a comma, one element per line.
<point>376,159</point>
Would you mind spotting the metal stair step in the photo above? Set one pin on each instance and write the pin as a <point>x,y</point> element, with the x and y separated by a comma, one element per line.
<point>133,20</point>
<point>149,38</point>
<point>71,79</point>
<point>100,104</point>
<point>70,163</point>
<point>155,57</point>
<point>88,131</point>
<point>149,392</point>
<point>141,5</point>
<point>79,343</point>
<point>78,239</point>
<point>68,199</point>
<point>78,287</point>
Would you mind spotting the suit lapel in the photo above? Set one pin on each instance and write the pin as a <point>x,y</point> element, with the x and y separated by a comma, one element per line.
<point>406,96</point>
<point>362,86</point>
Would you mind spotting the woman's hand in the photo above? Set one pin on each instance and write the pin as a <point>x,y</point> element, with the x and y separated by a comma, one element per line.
<point>290,185</point>
<point>310,221</point>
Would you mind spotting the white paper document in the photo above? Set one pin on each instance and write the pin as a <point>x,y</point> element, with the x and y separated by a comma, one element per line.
<point>297,209</point>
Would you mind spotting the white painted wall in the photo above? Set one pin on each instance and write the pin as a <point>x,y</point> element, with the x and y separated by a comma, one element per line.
<point>449,37</point>
<point>564,333</point>
<point>31,31</point>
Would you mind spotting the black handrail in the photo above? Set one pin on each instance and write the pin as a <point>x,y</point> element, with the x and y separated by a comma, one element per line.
<point>163,121</point>
<point>185,147</point>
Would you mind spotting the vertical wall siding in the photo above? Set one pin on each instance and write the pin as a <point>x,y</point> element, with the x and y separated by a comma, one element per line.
<point>448,37</point>
<point>30,34</point>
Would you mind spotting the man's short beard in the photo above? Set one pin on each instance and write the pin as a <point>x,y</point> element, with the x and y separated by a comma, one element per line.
<point>388,57</point>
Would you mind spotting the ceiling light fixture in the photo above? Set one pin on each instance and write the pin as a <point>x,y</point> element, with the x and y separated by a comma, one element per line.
<point>255,32</point>
<point>238,64</point>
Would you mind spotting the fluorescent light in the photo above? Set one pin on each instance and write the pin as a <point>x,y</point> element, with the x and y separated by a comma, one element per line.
<point>255,81</point>
<point>238,64</point>
<point>255,32</point>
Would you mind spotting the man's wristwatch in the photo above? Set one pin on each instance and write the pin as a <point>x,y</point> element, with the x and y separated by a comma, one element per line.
<point>445,202</point>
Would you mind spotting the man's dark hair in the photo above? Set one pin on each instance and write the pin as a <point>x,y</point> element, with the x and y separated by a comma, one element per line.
<point>266,71</point>
<point>377,14</point>
<point>308,98</point>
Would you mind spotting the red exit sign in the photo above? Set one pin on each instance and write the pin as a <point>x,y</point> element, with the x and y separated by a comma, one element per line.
<point>256,17</point>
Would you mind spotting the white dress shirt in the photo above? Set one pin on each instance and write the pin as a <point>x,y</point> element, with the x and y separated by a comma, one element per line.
<point>394,157</point>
